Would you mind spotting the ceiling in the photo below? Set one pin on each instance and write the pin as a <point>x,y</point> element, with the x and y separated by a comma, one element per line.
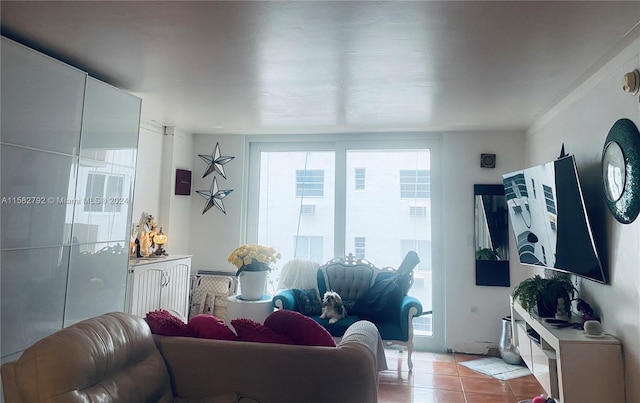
<point>332,67</point>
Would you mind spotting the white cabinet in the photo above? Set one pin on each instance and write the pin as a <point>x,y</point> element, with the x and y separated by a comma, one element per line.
<point>159,283</point>
<point>570,365</point>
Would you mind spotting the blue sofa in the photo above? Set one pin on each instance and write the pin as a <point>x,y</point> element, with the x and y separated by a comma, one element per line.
<point>352,278</point>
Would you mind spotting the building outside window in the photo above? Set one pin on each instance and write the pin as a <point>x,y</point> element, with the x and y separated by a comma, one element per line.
<point>360,178</point>
<point>359,247</point>
<point>308,209</point>
<point>310,183</point>
<point>414,184</point>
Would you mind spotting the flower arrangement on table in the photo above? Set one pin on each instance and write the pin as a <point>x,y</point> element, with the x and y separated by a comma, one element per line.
<point>253,257</point>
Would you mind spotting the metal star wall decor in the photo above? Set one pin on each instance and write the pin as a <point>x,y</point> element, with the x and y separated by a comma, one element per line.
<point>215,161</point>
<point>214,196</point>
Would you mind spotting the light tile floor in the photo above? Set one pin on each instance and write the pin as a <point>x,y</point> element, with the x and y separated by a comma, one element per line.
<point>438,378</point>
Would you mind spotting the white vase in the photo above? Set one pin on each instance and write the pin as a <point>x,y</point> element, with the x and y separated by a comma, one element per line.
<point>253,285</point>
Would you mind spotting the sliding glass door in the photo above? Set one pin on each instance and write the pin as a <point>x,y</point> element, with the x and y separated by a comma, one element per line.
<point>374,199</point>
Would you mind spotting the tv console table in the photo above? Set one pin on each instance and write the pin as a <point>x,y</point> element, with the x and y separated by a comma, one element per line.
<point>570,365</point>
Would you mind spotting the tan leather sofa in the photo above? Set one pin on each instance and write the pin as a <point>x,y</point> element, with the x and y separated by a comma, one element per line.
<point>115,358</point>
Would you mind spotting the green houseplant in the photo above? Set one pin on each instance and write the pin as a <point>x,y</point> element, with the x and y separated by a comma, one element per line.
<point>543,293</point>
<point>487,254</point>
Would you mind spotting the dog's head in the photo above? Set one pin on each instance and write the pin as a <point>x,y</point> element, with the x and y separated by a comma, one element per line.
<point>331,298</point>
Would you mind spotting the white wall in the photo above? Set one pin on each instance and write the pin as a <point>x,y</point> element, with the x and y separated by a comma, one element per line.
<point>159,155</point>
<point>176,209</point>
<point>215,234</point>
<point>473,313</point>
<point>146,193</point>
<point>582,122</point>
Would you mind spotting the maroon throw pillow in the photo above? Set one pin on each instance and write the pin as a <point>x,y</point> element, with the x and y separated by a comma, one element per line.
<point>162,322</point>
<point>209,327</point>
<point>301,329</point>
<point>249,330</point>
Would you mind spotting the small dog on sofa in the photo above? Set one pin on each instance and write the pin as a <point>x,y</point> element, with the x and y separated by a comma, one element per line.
<point>332,307</point>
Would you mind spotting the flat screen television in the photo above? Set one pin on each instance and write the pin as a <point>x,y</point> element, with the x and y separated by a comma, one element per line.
<point>549,219</point>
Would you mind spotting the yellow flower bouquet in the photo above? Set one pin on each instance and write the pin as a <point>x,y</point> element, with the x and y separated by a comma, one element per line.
<point>253,257</point>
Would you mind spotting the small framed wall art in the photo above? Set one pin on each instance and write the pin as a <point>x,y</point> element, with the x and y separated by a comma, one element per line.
<point>487,160</point>
<point>183,182</point>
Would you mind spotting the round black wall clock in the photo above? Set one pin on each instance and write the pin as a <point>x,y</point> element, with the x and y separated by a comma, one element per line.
<point>620,171</point>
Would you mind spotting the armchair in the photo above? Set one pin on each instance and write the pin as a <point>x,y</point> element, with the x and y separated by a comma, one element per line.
<point>352,278</point>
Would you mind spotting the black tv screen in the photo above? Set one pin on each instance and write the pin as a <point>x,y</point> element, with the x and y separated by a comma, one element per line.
<point>549,219</point>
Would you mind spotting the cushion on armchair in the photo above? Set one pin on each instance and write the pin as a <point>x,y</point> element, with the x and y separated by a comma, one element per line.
<point>382,300</point>
<point>308,302</point>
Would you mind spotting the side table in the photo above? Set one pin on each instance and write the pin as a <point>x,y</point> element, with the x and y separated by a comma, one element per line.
<point>254,310</point>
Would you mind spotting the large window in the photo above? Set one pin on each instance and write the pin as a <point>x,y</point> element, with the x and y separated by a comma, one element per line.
<point>295,220</point>
<point>394,214</point>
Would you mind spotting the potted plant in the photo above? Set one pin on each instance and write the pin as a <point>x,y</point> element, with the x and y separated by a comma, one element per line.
<point>253,263</point>
<point>487,254</point>
<point>543,293</point>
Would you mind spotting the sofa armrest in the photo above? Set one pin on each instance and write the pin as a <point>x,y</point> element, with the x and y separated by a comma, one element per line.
<point>410,307</point>
<point>9,386</point>
<point>285,300</point>
<point>365,332</point>
<point>269,373</point>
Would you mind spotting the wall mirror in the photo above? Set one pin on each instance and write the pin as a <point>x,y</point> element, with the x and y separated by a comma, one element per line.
<point>491,236</point>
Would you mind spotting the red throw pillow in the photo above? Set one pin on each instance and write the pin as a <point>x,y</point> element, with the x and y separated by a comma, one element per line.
<point>209,327</point>
<point>249,330</point>
<point>162,322</point>
<point>301,329</point>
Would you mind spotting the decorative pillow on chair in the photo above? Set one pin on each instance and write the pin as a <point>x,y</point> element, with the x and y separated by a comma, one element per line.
<point>308,302</point>
<point>249,330</point>
<point>209,327</point>
<point>382,300</point>
<point>301,329</point>
<point>162,322</point>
